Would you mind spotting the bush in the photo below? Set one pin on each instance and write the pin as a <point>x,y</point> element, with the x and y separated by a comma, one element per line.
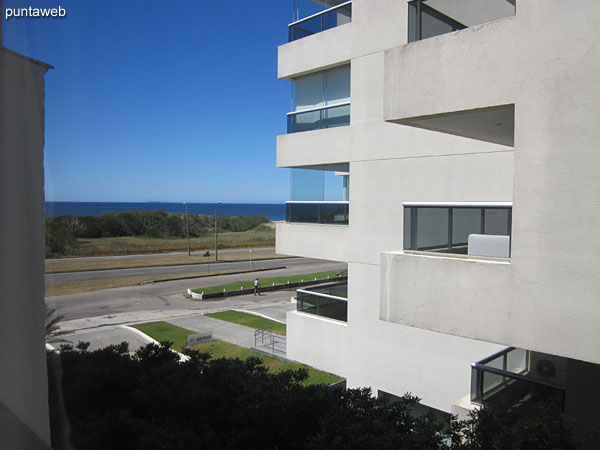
<point>62,232</point>
<point>149,400</point>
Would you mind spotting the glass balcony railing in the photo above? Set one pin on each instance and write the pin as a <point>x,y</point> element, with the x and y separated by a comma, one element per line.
<point>504,379</point>
<point>331,17</point>
<point>326,301</point>
<point>319,118</point>
<point>477,229</point>
<point>335,213</point>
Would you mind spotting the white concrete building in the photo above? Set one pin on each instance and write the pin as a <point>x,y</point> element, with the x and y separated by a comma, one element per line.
<point>24,417</point>
<point>454,154</point>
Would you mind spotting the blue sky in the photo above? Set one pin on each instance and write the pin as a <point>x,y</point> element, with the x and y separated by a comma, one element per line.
<point>160,100</point>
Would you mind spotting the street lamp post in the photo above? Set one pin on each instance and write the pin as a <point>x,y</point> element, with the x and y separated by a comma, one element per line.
<point>187,229</point>
<point>216,229</point>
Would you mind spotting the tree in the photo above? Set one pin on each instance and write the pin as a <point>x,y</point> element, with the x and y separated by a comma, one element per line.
<point>150,400</point>
<point>53,332</point>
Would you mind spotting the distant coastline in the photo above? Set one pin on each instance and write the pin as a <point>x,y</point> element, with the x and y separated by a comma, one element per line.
<point>274,211</point>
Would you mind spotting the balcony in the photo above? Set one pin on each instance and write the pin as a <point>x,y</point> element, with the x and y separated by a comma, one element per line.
<point>319,118</point>
<point>429,18</point>
<point>319,195</point>
<point>467,228</point>
<point>506,378</point>
<point>320,100</point>
<point>333,213</point>
<point>329,301</point>
<point>314,16</point>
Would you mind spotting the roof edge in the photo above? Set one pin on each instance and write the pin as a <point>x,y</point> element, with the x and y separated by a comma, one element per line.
<point>35,61</point>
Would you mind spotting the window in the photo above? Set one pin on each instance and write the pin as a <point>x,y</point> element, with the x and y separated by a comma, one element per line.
<point>321,100</point>
<point>478,229</point>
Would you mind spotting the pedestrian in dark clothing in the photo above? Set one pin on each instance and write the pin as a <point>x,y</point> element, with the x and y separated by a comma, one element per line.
<point>256,287</point>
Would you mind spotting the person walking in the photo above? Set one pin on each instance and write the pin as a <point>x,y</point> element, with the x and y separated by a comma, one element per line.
<point>256,287</point>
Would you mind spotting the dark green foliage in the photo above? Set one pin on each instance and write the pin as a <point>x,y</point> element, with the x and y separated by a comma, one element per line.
<point>151,401</point>
<point>62,232</point>
<point>53,332</point>
<point>110,399</point>
<point>93,226</point>
<point>537,427</point>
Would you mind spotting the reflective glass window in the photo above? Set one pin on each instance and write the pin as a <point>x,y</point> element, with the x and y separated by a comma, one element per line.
<point>465,221</point>
<point>433,228</point>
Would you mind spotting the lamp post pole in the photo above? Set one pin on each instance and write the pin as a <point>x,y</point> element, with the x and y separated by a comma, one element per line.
<point>187,229</point>
<point>216,231</point>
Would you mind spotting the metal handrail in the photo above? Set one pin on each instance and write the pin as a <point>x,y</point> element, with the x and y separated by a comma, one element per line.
<point>495,355</point>
<point>318,108</point>
<point>517,376</point>
<point>460,204</point>
<point>320,13</point>
<point>274,341</point>
<point>319,294</point>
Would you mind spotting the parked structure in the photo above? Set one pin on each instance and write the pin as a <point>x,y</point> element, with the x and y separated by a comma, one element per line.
<point>447,150</point>
<point>24,421</point>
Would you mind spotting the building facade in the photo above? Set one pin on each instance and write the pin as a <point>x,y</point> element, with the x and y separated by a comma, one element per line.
<point>446,150</point>
<point>24,417</point>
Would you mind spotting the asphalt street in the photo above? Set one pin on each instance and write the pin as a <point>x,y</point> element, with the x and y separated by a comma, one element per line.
<point>168,297</point>
<point>175,270</point>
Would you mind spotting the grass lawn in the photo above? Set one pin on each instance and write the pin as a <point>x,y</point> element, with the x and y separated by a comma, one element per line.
<point>162,331</point>
<point>248,284</point>
<point>249,320</point>
<point>261,236</point>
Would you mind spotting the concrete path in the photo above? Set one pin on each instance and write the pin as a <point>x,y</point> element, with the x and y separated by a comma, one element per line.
<point>102,337</point>
<point>106,330</point>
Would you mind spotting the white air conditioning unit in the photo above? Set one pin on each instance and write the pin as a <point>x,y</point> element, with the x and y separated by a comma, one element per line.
<point>548,368</point>
<point>491,245</point>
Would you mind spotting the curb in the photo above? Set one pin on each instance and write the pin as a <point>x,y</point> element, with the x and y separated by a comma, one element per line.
<point>254,313</point>
<point>150,340</point>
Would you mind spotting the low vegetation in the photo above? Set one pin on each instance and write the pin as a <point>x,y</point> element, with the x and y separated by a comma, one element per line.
<point>154,230</point>
<point>110,399</point>
<point>249,320</point>
<point>163,331</point>
<point>276,281</point>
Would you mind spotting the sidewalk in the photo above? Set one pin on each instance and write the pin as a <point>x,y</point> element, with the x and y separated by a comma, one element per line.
<point>106,330</point>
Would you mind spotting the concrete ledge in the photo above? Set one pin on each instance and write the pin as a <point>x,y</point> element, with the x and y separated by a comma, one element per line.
<point>150,340</point>
<point>254,313</point>
<point>463,408</point>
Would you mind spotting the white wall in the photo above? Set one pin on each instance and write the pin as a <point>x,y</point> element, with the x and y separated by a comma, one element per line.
<point>382,355</point>
<point>546,61</point>
<point>376,25</point>
<point>389,164</point>
<point>23,382</point>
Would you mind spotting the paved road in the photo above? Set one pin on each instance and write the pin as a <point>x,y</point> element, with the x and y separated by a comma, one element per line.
<point>169,298</point>
<point>104,336</point>
<point>175,270</point>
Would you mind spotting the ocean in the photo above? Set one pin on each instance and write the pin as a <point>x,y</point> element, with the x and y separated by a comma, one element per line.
<point>274,211</point>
